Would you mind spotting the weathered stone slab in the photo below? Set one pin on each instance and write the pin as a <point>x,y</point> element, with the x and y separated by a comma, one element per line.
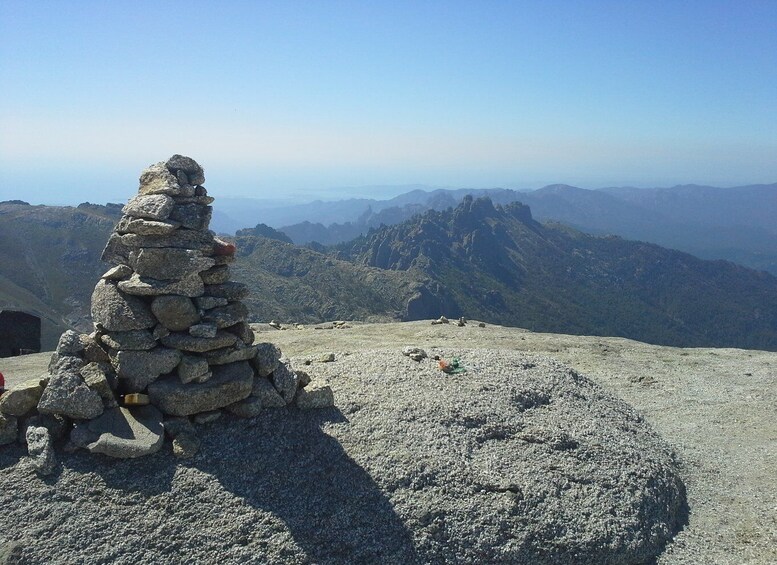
<point>185,239</point>
<point>41,450</point>
<point>285,381</point>
<point>266,393</point>
<point>229,290</point>
<point>67,394</point>
<point>216,275</point>
<point>145,286</point>
<point>193,170</point>
<point>117,312</point>
<point>126,433</point>
<point>140,340</point>
<point>229,384</point>
<point>115,250</point>
<point>149,206</point>
<point>166,263</point>
<point>22,398</point>
<point>267,358</point>
<point>192,216</point>
<point>225,316</point>
<point>239,352</point>
<point>176,313</point>
<point>118,273</point>
<point>315,395</point>
<point>139,226</point>
<point>186,342</point>
<point>137,369</point>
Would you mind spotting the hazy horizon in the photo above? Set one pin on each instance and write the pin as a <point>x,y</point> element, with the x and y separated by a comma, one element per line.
<point>305,100</point>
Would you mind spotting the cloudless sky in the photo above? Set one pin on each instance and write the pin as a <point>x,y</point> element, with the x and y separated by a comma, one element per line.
<point>299,99</point>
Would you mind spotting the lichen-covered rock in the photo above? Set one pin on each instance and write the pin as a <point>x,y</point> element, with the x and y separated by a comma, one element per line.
<point>68,395</point>
<point>226,316</point>
<point>140,226</point>
<point>157,179</point>
<point>176,313</point>
<point>125,433</point>
<point>192,216</point>
<point>149,206</point>
<point>164,263</point>
<point>229,384</point>
<point>146,286</point>
<point>117,312</point>
<point>193,170</point>
<point>41,450</point>
<point>139,340</point>
<point>137,369</point>
<point>285,381</point>
<point>267,358</point>
<point>70,343</point>
<point>21,399</point>
<point>185,239</point>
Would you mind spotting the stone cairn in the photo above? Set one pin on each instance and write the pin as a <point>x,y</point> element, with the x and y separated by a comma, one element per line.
<point>171,344</point>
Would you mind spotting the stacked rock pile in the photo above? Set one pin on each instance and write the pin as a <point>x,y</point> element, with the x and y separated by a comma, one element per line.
<point>171,341</point>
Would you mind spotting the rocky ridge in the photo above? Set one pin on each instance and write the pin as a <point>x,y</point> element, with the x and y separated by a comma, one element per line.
<point>170,344</point>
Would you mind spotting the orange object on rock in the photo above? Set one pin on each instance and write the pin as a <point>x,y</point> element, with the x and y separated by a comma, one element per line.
<point>224,248</point>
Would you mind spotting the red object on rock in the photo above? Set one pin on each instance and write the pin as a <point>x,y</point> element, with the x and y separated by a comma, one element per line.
<point>2,382</point>
<point>224,248</point>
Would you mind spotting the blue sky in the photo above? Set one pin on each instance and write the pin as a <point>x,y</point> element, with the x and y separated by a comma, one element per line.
<point>295,99</point>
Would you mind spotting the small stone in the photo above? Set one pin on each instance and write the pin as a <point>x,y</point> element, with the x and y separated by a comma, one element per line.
<point>207,417</point>
<point>246,408</point>
<point>136,285</point>
<point>137,369</point>
<point>203,378</point>
<point>225,316</point>
<point>266,393</point>
<point>168,263</point>
<point>315,395</point>
<point>93,351</point>
<point>229,384</point>
<point>303,377</point>
<point>21,399</point>
<point>179,425</point>
<point>149,206</point>
<point>115,251</point>
<point>186,445</point>
<point>176,313</point>
<point>481,325</point>
<point>216,275</point>
<point>118,273</point>
<point>67,394</point>
<point>140,226</point>
<point>127,433</point>
<point>56,425</point>
<point>138,340</point>
<point>117,312</point>
<point>186,342</point>
<point>229,290</point>
<point>40,450</point>
<point>326,358</point>
<point>208,302</point>
<point>192,367</point>
<point>160,331</point>
<point>8,429</point>
<point>274,324</point>
<point>285,381</point>
<point>415,353</point>
<point>203,330</point>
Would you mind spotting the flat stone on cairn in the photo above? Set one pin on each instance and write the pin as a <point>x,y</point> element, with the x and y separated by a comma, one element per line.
<point>170,329</point>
